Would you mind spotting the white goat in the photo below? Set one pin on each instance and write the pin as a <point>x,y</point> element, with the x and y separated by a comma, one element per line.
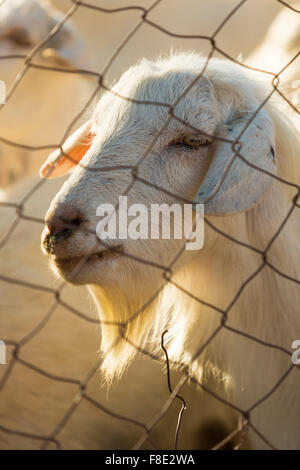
<point>250,206</point>
<point>43,94</point>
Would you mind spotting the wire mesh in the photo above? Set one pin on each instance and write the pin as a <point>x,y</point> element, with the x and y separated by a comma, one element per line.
<point>19,208</point>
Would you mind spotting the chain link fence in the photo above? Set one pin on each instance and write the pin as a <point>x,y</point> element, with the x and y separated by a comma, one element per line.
<point>245,423</point>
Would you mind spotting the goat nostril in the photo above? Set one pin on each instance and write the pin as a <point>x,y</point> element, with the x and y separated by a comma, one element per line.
<point>71,221</point>
<point>67,226</point>
<point>64,220</point>
<point>77,221</point>
<point>65,233</point>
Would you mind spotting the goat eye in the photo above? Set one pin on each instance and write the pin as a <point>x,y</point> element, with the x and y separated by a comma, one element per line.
<point>191,141</point>
<point>198,140</point>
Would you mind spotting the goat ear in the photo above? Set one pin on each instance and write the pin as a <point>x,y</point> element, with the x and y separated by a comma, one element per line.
<point>75,147</point>
<point>243,186</point>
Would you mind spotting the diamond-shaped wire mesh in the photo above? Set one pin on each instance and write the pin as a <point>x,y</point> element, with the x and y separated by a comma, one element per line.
<point>19,208</point>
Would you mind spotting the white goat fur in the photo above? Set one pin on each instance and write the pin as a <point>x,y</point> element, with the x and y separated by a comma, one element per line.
<point>267,307</point>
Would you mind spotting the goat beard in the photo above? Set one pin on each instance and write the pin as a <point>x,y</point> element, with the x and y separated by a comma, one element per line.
<point>134,322</point>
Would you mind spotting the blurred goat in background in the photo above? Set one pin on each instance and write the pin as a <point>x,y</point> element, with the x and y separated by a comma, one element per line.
<point>42,95</point>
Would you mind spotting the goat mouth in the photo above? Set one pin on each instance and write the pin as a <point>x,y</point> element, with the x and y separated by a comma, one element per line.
<point>107,254</point>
